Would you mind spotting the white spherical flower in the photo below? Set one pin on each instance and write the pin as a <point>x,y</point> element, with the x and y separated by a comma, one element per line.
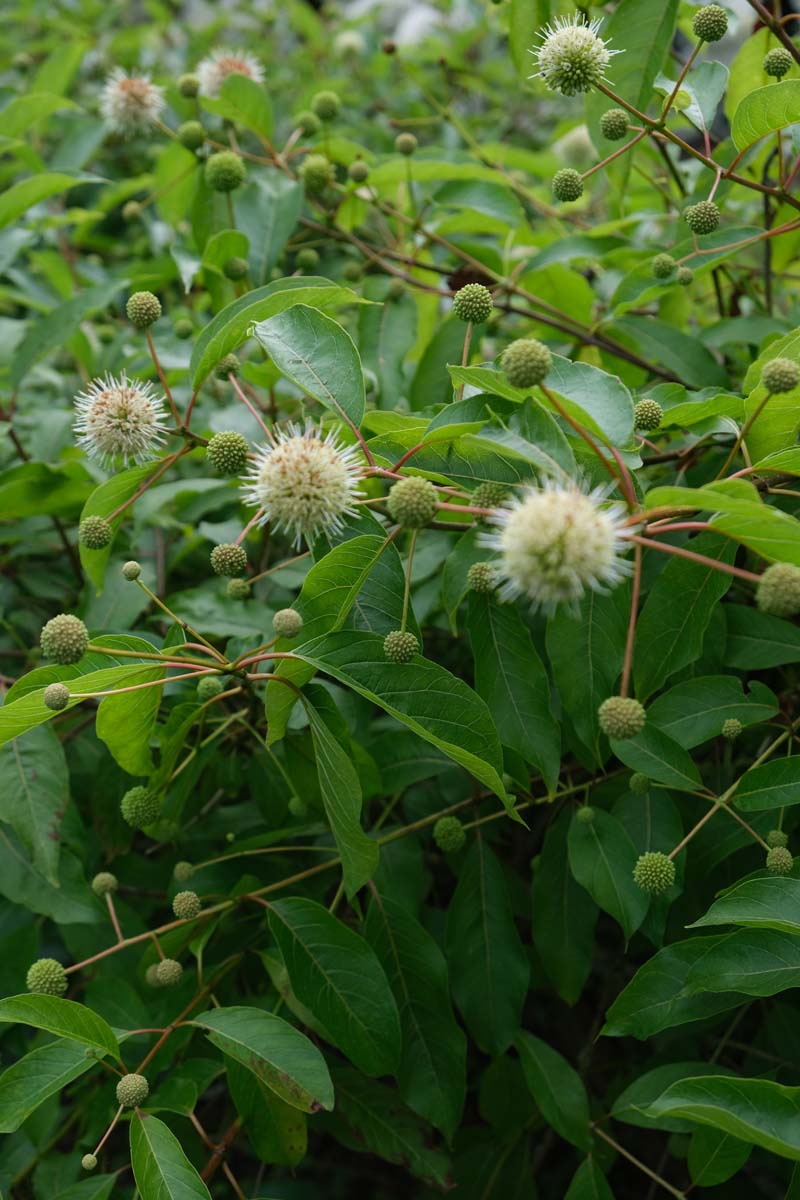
<point>555,542</point>
<point>119,419</point>
<point>304,483</point>
<point>572,57</point>
<point>213,70</point>
<point>130,103</point>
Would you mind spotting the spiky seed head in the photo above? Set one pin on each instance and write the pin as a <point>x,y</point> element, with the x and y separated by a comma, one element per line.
<point>47,977</point>
<point>326,106</point>
<point>731,728</point>
<point>473,302</point>
<point>130,103</point>
<point>238,589</point>
<point>119,419</point>
<point>228,559</point>
<point>182,872</point>
<point>614,124</point>
<point>208,687</point>
<point>104,884</point>
<point>662,266</point>
<point>779,860</point>
<point>489,495</point>
<point>131,210</point>
<point>227,453</point>
<point>449,835</point>
<point>183,328</point>
<point>399,647</point>
<point>684,276</point>
<point>572,57</point>
<point>526,362</point>
<point>140,807</point>
<point>186,906</point>
<point>132,1090</point>
<point>151,976</point>
<point>776,837</point>
<point>228,365</point>
<point>191,134</point>
<point>213,70</point>
<point>143,309</point>
<point>780,375</point>
<point>481,577</point>
<point>287,623</point>
<point>639,784</point>
<point>778,590</point>
<point>654,873</point>
<point>188,86</point>
<point>131,570</point>
<point>647,414</point>
<point>584,815</point>
<point>702,217</point>
<point>777,62</point>
<point>412,502</point>
<point>358,171</point>
<point>405,143</point>
<point>56,696</point>
<point>88,1162</point>
<point>621,717</point>
<point>225,171</point>
<point>298,807</point>
<point>307,122</point>
<point>567,184</point>
<point>317,174</point>
<point>65,639</point>
<point>307,258</point>
<point>169,972</point>
<point>95,533</point>
<point>235,268</point>
<point>710,23</point>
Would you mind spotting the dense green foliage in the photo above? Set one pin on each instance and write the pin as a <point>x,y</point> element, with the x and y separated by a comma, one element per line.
<point>398,458</point>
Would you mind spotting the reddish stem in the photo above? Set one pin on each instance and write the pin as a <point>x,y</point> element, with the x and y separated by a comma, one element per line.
<point>713,563</point>
<point>162,376</point>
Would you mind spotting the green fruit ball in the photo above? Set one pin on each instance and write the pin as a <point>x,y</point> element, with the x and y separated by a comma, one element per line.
<point>567,184</point>
<point>449,835</point>
<point>227,453</point>
<point>47,977</point>
<point>225,171</point>
<point>473,303</point>
<point>621,717</point>
<point>132,1090</point>
<point>399,647</point>
<point>526,362</point>
<point>140,807</point>
<point>647,415</point>
<point>228,559</point>
<point>654,873</point>
<point>412,502</point>
<point>65,639</point>
<point>143,309</point>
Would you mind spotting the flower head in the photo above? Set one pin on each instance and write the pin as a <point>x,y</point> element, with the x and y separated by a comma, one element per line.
<point>555,542</point>
<point>119,419</point>
<point>130,103</point>
<point>217,66</point>
<point>572,57</point>
<point>304,483</point>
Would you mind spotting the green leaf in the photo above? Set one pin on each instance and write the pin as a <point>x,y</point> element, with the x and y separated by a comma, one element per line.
<point>33,1078</point>
<point>59,325</point>
<point>126,722</point>
<point>714,1157</point>
<point>632,1104</point>
<point>589,1183</point>
<point>283,1059</point>
<point>267,212</point>
<point>692,712</point>
<point>602,857</point>
<point>643,32</point>
<point>161,1169</point>
<point>102,502</point>
<point>244,101</point>
<point>35,489</point>
<point>763,902</point>
<point>34,793</point>
<point>65,1018</point>
<point>752,962</point>
<point>774,784</point>
<point>22,113</point>
<point>522,27</point>
<point>489,968</point>
<point>557,1089</point>
<point>319,356</point>
<point>659,757</point>
<point>757,1111</point>
<point>564,915</point>
<point>21,196</point>
<point>764,111</point>
<point>335,974</point>
<point>277,1132</point>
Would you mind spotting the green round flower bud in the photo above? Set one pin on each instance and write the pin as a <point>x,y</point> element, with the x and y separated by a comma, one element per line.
<point>65,639</point>
<point>473,303</point>
<point>307,258</point>
<point>182,872</point>
<point>412,502</point>
<point>140,807</point>
<point>703,217</point>
<point>189,86</point>
<point>238,589</point>
<point>208,687</point>
<point>567,184</point>
<point>131,570</point>
<point>776,837</point>
<point>104,884</point>
<point>47,977</point>
<point>614,124</point>
<point>227,559</point>
<point>358,171</point>
<point>780,375</point>
<point>584,815</point>
<point>191,134</point>
<point>326,106</point>
<point>225,171</point>
<point>526,362</point>
<point>95,533</point>
<point>151,976</point>
<point>489,495</point>
<point>662,266</point>
<point>405,143</point>
<point>684,276</point>
<point>639,784</point>
<point>353,272</point>
<point>621,717</point>
<point>777,62</point>
<point>710,23</point>
<point>654,873</point>
<point>228,365</point>
<point>56,696</point>
<point>287,623</point>
<point>227,453</point>
<point>235,268</point>
<point>307,122</point>
<point>731,728</point>
<point>647,414</point>
<point>132,1090</point>
<point>143,309</point>
<point>449,835</point>
<point>298,808</point>
<point>186,906</point>
<point>316,172</point>
<point>88,1162</point>
<point>778,590</point>
<point>168,972</point>
<point>183,328</point>
<point>481,577</point>
<point>779,860</point>
<point>132,211</point>
<point>399,647</point>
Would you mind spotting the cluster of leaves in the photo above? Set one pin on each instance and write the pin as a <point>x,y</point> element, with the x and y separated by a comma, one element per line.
<point>381,930</point>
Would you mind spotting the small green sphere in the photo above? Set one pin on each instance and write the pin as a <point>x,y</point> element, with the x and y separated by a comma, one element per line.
<point>647,415</point>
<point>777,62</point>
<point>182,872</point>
<point>614,124</point>
<point>326,106</point>
<point>358,171</point>
<point>353,271</point>
<point>654,873</point>
<point>132,211</point>
<point>567,184</point>
<point>88,1162</point>
<point>228,559</point>
<point>307,122</point>
<point>405,143</point>
<point>183,328</point>
<point>227,453</point>
<point>489,495</point>
<point>776,837</point>
<point>140,807</point>
<point>225,171</point>
<point>662,266</point>
<point>186,906</point>
<point>317,174</point>
<point>399,647</point>
<point>287,623</point>
<point>65,639</point>
<point>778,590</point>
<point>780,375</point>
<point>143,309</point>
<point>189,86</point>
<point>191,134</point>
<point>731,728</point>
<point>95,533</point>
<point>151,976</point>
<point>412,502</point>
<point>168,972</point>
<point>584,815</point>
<point>307,258</point>
<point>132,1090</point>
<point>56,696</point>
<point>684,276</point>
<point>238,589</point>
<point>526,362</point>
<point>710,23</point>
<point>228,365</point>
<point>481,578</point>
<point>779,860</point>
<point>639,784</point>
<point>473,303</point>
<point>47,977</point>
<point>621,717</point>
<point>235,268</point>
<point>131,570</point>
<point>449,835</point>
<point>298,808</point>
<point>209,687</point>
<point>703,217</point>
<point>104,884</point>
